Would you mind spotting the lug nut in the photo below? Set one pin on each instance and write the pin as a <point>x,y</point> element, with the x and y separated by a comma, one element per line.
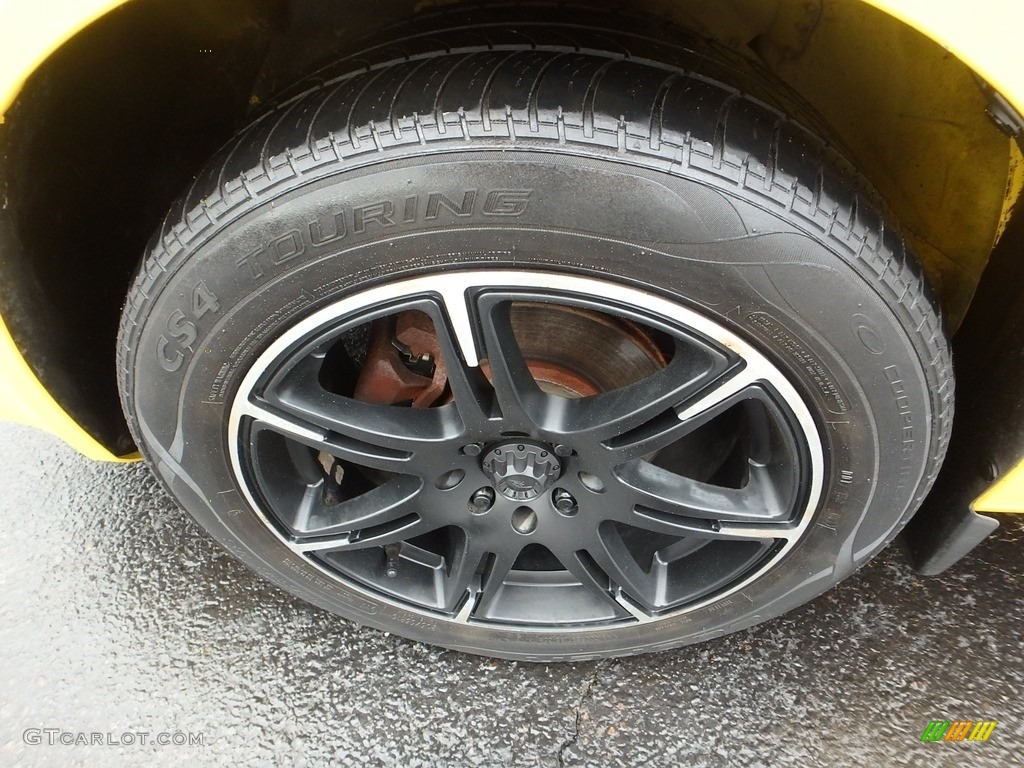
<point>564,502</point>
<point>563,451</point>
<point>473,449</point>
<point>481,500</point>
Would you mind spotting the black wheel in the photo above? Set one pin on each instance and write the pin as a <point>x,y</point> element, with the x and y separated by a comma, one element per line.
<point>535,352</point>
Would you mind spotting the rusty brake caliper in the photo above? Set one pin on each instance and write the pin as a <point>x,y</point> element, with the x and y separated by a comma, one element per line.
<point>404,363</point>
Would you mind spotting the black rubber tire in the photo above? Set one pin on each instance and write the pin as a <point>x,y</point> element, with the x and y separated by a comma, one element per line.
<point>637,171</point>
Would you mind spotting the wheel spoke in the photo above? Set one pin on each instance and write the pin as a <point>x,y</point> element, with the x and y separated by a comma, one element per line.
<point>680,549</point>
<point>494,579</point>
<point>453,325</point>
<point>458,323</point>
<point>380,516</point>
<point>625,576</point>
<point>720,396</point>
<point>675,525</point>
<point>611,414</point>
<point>365,454</point>
<point>583,568</point>
<point>680,411</point>
<point>518,397</point>
<point>298,393</point>
<point>462,583</point>
<point>641,484</point>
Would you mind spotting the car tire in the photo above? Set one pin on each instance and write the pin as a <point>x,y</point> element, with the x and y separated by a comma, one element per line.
<point>540,351</point>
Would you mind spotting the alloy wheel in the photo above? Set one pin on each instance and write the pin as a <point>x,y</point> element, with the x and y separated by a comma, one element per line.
<point>527,450</point>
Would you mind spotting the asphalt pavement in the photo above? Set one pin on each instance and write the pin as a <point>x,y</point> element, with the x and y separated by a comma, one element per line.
<point>122,623</point>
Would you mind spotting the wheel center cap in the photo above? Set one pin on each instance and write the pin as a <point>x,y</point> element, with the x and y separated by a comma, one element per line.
<point>521,470</point>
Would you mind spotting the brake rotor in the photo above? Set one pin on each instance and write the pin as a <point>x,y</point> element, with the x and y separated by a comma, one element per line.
<point>576,352</point>
<point>570,352</point>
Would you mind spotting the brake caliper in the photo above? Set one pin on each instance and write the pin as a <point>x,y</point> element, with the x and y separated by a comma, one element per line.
<point>404,363</point>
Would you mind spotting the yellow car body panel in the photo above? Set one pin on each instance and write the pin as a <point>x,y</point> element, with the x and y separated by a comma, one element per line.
<point>24,399</point>
<point>983,34</point>
<point>1004,496</point>
<point>31,31</point>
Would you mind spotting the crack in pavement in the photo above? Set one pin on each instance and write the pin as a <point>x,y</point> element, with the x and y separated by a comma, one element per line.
<point>588,688</point>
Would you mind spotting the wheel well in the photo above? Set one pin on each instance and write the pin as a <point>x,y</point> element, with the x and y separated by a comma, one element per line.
<point>115,125</point>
